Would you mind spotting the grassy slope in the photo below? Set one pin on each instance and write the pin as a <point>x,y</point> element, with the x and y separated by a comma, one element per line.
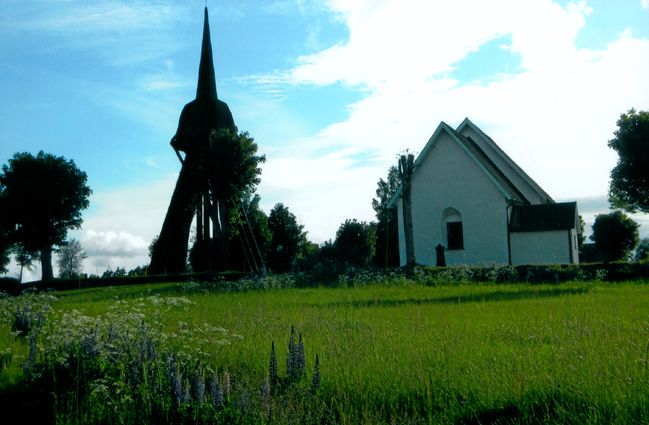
<point>571,352</point>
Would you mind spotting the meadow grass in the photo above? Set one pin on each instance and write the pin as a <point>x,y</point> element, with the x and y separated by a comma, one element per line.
<point>400,353</point>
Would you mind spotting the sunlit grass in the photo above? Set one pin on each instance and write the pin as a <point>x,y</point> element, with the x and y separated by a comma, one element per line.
<point>569,353</point>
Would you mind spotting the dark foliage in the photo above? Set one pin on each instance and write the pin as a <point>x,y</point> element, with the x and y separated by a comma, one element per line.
<point>242,232</point>
<point>629,189</point>
<point>5,243</point>
<point>387,244</point>
<point>233,166</point>
<point>588,253</point>
<point>326,266</point>
<point>615,235</point>
<point>287,236</point>
<point>200,254</point>
<point>226,166</point>
<point>44,197</point>
<point>642,251</point>
<point>355,243</point>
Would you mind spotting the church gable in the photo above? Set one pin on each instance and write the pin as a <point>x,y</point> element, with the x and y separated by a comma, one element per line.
<point>472,201</point>
<point>457,202</point>
<point>475,155</point>
<point>524,184</point>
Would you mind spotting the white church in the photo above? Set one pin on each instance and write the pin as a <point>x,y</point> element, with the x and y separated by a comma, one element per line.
<point>471,198</point>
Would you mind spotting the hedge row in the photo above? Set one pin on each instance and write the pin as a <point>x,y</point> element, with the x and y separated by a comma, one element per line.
<point>424,275</point>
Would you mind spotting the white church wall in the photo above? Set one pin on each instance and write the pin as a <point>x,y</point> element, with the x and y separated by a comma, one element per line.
<point>549,247</point>
<point>449,177</point>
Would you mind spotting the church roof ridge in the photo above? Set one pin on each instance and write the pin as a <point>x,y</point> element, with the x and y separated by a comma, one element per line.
<point>502,183</point>
<point>513,165</point>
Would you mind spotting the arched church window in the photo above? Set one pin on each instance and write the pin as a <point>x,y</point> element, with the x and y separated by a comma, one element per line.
<point>452,223</point>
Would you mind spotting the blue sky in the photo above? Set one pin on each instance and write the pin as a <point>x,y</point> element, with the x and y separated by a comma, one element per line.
<point>331,90</point>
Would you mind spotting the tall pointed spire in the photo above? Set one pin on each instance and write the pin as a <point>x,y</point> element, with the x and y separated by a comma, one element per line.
<point>206,88</point>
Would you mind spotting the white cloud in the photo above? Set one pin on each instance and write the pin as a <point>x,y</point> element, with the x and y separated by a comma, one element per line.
<point>393,41</point>
<point>113,249</point>
<point>122,244</point>
<point>553,118</point>
<point>116,232</point>
<point>644,4</point>
<point>158,82</point>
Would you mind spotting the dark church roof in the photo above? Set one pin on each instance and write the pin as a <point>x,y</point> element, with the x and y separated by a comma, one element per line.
<point>544,217</point>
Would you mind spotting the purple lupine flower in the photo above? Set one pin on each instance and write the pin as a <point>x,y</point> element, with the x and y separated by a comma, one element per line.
<point>315,382</point>
<point>300,359</point>
<point>31,359</point>
<point>272,369</point>
<point>227,387</point>
<point>215,391</point>
<point>265,396</point>
<point>198,386</point>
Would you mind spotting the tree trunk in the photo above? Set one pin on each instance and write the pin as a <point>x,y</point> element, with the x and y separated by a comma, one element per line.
<point>406,165</point>
<point>46,263</point>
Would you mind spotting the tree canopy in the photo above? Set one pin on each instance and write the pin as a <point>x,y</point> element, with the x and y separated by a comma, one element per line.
<point>44,196</point>
<point>258,229</point>
<point>287,236</point>
<point>387,243</point>
<point>5,243</point>
<point>70,261</point>
<point>355,242</point>
<point>233,165</point>
<point>642,251</point>
<point>615,235</point>
<point>629,187</point>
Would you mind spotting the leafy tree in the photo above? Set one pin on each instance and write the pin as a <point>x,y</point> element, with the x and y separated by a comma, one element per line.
<point>355,242</point>
<point>4,252</point>
<point>152,245</point>
<point>118,272</point>
<point>24,259</point>
<point>287,235</point>
<point>138,271</point>
<point>234,170</point>
<point>629,188</point>
<point>308,255</point>
<point>224,171</point>
<point>5,247</point>
<point>242,234</point>
<point>642,251</point>
<point>615,235</point>
<point>325,263</point>
<point>581,236</point>
<point>70,262</point>
<point>44,195</point>
<point>387,234</point>
<point>234,165</point>
<point>5,226</point>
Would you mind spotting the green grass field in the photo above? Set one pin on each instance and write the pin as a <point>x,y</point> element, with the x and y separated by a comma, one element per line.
<point>400,353</point>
